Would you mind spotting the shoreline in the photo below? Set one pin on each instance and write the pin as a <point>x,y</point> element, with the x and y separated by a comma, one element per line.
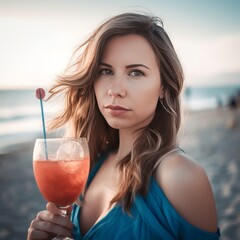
<point>18,144</point>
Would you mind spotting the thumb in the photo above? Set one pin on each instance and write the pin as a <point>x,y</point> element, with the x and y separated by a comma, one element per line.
<point>53,208</point>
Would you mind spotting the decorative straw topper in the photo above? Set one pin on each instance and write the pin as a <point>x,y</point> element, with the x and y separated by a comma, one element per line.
<point>40,94</point>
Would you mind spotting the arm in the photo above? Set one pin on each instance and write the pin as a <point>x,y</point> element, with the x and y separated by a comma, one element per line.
<point>50,223</point>
<point>188,189</point>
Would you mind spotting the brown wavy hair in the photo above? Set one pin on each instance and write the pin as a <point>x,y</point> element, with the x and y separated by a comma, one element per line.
<point>82,111</point>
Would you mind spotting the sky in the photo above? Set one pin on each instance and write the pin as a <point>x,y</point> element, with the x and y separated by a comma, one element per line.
<point>39,36</point>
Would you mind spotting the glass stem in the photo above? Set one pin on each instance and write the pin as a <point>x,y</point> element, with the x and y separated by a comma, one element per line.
<point>64,214</point>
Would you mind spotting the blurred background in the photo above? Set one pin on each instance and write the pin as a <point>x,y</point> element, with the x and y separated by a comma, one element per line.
<point>37,40</point>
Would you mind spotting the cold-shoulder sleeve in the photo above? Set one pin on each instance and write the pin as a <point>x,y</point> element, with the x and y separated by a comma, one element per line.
<point>158,213</point>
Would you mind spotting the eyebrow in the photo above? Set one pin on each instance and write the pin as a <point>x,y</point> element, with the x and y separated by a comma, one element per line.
<point>128,66</point>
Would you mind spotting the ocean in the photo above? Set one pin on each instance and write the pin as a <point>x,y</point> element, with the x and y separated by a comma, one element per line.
<point>20,115</point>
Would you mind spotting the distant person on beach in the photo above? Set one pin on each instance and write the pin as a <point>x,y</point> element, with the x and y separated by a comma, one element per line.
<point>233,107</point>
<point>123,94</point>
<point>233,103</point>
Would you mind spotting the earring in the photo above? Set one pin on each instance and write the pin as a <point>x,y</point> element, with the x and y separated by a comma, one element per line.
<point>161,101</point>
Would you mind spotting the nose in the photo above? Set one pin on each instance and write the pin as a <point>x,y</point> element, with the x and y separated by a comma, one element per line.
<point>117,89</point>
<point>113,92</point>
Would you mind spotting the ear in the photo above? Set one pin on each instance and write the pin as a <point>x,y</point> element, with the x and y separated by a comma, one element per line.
<point>161,93</point>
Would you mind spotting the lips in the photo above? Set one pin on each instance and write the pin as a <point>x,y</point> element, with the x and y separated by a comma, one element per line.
<point>116,110</point>
<point>115,107</point>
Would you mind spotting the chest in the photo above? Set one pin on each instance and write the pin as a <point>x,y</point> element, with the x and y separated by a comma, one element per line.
<point>98,196</point>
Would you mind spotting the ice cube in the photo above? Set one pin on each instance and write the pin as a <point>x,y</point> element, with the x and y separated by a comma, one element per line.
<point>70,150</point>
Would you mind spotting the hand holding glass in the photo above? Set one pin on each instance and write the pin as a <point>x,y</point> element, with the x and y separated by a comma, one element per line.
<point>61,168</point>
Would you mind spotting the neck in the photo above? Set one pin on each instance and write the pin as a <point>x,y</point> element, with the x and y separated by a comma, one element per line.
<point>126,141</point>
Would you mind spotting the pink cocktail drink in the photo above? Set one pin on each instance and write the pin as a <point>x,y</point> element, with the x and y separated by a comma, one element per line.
<point>61,181</point>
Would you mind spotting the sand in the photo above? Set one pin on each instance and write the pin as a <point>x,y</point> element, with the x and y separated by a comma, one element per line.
<point>205,136</point>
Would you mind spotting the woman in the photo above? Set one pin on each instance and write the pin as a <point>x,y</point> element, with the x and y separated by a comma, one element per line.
<point>122,93</point>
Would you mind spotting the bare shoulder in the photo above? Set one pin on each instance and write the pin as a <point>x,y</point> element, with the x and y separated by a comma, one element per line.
<point>187,187</point>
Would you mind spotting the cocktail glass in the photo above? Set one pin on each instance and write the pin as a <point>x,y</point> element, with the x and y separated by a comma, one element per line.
<point>61,167</point>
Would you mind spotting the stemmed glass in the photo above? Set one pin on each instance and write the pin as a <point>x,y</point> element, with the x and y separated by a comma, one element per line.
<point>61,168</point>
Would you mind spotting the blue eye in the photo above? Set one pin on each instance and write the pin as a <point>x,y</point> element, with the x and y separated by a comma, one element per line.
<point>106,71</point>
<point>136,73</point>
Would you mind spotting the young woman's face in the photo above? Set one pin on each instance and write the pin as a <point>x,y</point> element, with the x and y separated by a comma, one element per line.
<point>128,85</point>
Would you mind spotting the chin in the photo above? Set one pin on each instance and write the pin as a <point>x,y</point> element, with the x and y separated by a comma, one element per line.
<point>116,124</point>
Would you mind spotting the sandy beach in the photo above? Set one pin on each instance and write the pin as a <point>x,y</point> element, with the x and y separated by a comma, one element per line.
<point>205,136</point>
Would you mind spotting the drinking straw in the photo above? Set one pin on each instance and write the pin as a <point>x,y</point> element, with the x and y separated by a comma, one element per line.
<point>40,94</point>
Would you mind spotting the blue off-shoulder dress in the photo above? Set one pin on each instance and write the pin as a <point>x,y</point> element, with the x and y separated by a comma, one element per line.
<point>152,217</point>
